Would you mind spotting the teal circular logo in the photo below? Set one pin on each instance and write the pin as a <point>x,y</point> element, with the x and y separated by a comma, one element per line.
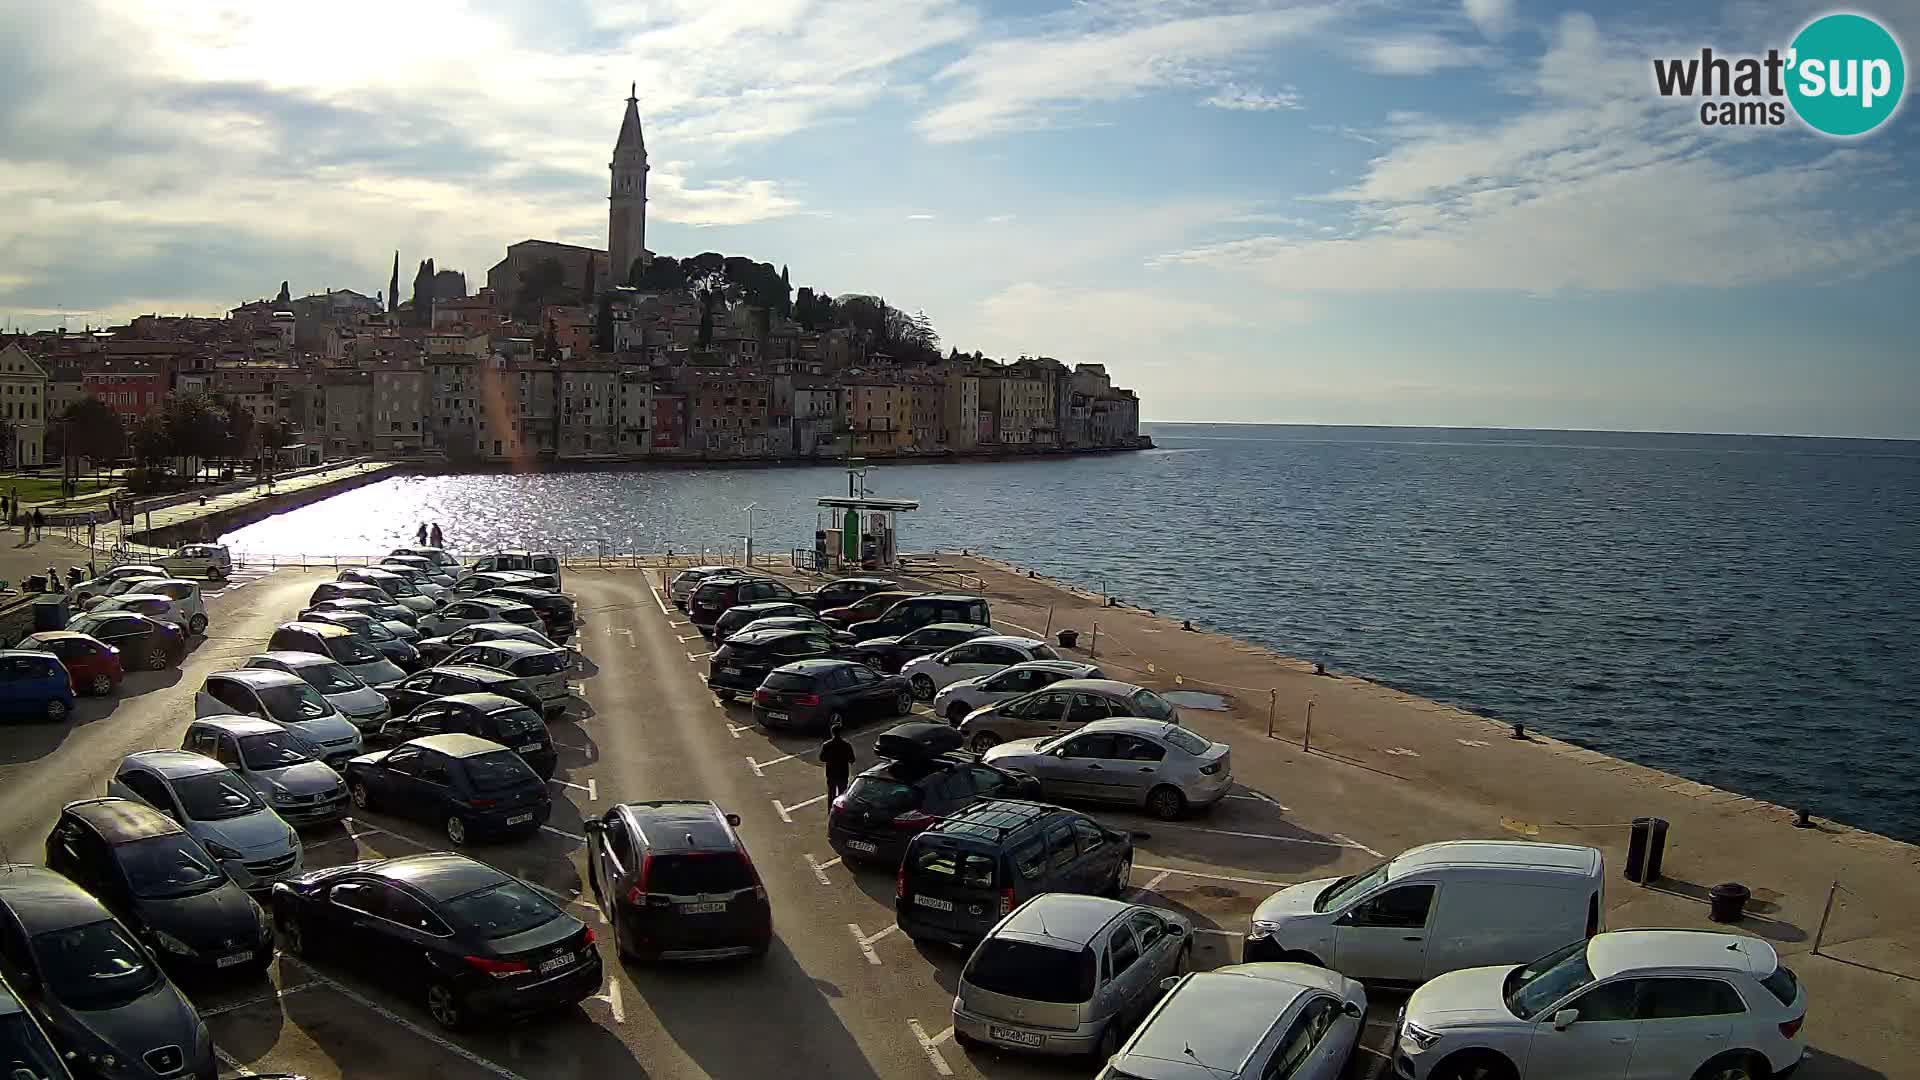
<point>1847,74</point>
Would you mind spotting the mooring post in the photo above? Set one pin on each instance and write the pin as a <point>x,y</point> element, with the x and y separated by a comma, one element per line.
<point>1824,913</point>
<point>1306,737</point>
<point>1273,703</point>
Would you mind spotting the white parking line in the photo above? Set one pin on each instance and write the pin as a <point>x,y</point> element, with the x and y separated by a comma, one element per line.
<point>757,766</point>
<point>612,998</point>
<point>866,946</point>
<point>656,599</point>
<point>251,1002</point>
<point>694,658</point>
<point>734,729</point>
<point>586,787</point>
<point>687,637</point>
<point>820,868</point>
<point>1031,632</point>
<point>435,1038</point>
<point>226,1058</point>
<point>1351,842</point>
<point>563,832</point>
<point>1165,870</point>
<point>632,642</point>
<point>784,810</point>
<point>933,1052</point>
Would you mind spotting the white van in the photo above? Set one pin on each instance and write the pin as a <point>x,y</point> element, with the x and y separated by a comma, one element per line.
<point>1435,909</point>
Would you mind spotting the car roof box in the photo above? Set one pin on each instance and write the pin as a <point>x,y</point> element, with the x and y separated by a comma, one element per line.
<point>909,742</point>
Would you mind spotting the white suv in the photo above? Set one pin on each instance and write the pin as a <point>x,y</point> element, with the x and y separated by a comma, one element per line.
<point>1620,1006</point>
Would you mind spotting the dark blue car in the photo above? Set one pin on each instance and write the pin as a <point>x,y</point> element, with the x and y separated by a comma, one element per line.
<point>34,684</point>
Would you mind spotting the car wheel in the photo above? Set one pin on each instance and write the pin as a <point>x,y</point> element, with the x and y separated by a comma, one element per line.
<point>157,660</point>
<point>444,1006</point>
<point>1109,1044</point>
<point>985,741</point>
<point>903,703</point>
<point>197,625</point>
<point>101,685</point>
<point>1183,963</point>
<point>1122,875</point>
<point>456,830</point>
<point>362,797</point>
<point>1474,1065</point>
<point>877,664</point>
<point>956,713</point>
<point>56,710</point>
<point>214,573</point>
<point>1166,803</point>
<point>1736,1066</point>
<point>922,687</point>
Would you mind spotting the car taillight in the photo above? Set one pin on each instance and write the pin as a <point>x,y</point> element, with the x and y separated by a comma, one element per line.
<point>637,896</point>
<point>807,699</point>
<point>900,882</point>
<point>499,969</point>
<point>840,805</point>
<point>761,697</point>
<point>481,804</point>
<point>1792,1027</point>
<point>913,819</point>
<point>1209,770</point>
<point>1006,901</point>
<point>759,887</point>
<point>591,937</point>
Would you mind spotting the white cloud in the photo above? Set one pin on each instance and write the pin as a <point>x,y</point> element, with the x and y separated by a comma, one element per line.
<point>1420,54</point>
<point>1491,16</point>
<point>1096,325</point>
<point>1030,82</point>
<point>919,217</point>
<point>1254,99</point>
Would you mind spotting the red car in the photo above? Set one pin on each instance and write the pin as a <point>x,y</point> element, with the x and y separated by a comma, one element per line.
<point>92,664</point>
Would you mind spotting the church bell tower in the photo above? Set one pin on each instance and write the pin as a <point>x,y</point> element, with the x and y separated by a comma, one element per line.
<point>627,209</point>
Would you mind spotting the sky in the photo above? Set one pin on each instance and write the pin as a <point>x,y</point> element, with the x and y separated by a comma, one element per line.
<point>1457,213</point>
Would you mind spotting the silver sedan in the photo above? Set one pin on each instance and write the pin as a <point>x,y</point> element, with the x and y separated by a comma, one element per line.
<point>1154,764</point>
<point>1060,708</point>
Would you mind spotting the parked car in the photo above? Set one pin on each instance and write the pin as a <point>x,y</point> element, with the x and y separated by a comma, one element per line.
<point>144,643</point>
<point>870,606</point>
<point>82,592</point>
<point>470,787</point>
<point>1653,1003</point>
<point>556,609</point>
<point>390,607</point>
<point>742,664</point>
<point>473,583</point>
<point>1068,975</point>
<point>963,875</point>
<point>399,621</point>
<point>162,885</point>
<point>958,699</point>
<point>538,669</point>
<point>251,842</point>
<point>689,579</point>
<point>92,665</point>
<point>35,684</point>
<point>817,694</point>
<point>100,995</point>
<point>798,622</point>
<point>362,705</point>
<point>417,573</point>
<point>674,881</point>
<point>1436,908</point>
<point>736,618</point>
<point>285,699</point>
<point>211,561</point>
<point>447,680</point>
<point>921,779</point>
<point>841,592</point>
<point>339,643</point>
<point>439,557</point>
<point>186,601</point>
<point>25,1046</point>
<point>917,611</point>
<point>438,575</point>
<point>890,654</point>
<point>435,650</point>
<point>489,716</point>
<point>152,605</point>
<point>1067,705</point>
<point>1248,1022</point>
<point>395,586</point>
<point>374,632</point>
<point>1152,764</point>
<point>478,610</point>
<point>972,658</point>
<point>283,769</point>
<point>473,943</point>
<point>119,587</point>
<point>536,562</point>
<point>713,598</point>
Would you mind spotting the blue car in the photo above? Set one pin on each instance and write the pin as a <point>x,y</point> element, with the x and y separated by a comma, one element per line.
<point>34,684</point>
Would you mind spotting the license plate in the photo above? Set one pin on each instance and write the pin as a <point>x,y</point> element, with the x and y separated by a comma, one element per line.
<point>519,819</point>
<point>558,962</point>
<point>862,845</point>
<point>933,902</point>
<point>1010,1035</point>
<point>776,715</point>
<point>234,960</point>
<point>528,748</point>
<point>706,907</point>
<point>729,671</point>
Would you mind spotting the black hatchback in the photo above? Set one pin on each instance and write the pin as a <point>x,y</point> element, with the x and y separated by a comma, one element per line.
<point>556,609</point>
<point>714,597</point>
<point>844,591</point>
<point>817,694</point>
<point>144,643</point>
<point>890,654</point>
<point>959,878</point>
<point>674,881</point>
<point>490,716</point>
<point>163,885</point>
<point>738,616</point>
<point>923,781</point>
<point>423,686</point>
<point>742,664</point>
<point>469,786</point>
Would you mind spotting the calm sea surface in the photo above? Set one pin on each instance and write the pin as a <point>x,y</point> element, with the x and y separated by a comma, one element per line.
<point>1740,610</point>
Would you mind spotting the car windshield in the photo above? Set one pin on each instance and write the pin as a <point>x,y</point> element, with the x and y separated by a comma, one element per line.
<point>788,681</point>
<point>498,771</point>
<point>215,796</point>
<point>546,663</point>
<point>697,873</point>
<point>349,650</point>
<point>24,1052</point>
<point>1152,706</point>
<point>500,911</point>
<point>375,630</point>
<point>164,867</point>
<point>331,678</point>
<point>272,750</point>
<point>293,702</point>
<point>93,966</point>
<point>397,586</point>
<point>1186,740</point>
<point>1043,652</point>
<point>516,726</point>
<point>883,793</point>
<point>1533,988</point>
<point>1032,972</point>
<point>1337,894</point>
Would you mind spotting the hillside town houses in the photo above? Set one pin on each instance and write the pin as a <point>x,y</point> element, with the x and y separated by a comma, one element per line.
<point>584,370</point>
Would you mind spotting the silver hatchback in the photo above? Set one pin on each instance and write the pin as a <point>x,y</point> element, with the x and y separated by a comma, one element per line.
<point>1066,974</point>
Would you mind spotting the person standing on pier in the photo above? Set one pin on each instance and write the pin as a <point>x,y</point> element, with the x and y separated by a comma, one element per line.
<point>420,539</point>
<point>437,540</point>
<point>39,525</point>
<point>837,755</point>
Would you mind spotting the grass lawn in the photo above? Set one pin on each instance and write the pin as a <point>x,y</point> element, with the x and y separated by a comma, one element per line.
<point>33,489</point>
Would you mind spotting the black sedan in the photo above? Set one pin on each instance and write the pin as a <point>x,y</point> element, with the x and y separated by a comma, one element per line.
<point>469,786</point>
<point>143,642</point>
<point>490,716</point>
<point>844,591</point>
<point>163,885</point>
<point>423,686</point>
<point>736,618</point>
<point>91,984</point>
<point>816,694</point>
<point>468,941</point>
<point>890,654</point>
<point>892,802</point>
<point>742,664</point>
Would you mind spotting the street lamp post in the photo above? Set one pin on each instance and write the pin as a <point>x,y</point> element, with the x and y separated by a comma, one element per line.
<point>751,509</point>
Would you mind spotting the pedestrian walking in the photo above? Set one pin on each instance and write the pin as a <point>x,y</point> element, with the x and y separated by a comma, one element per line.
<point>39,525</point>
<point>837,755</point>
<point>436,538</point>
<point>421,539</point>
<point>6,508</point>
<point>93,521</point>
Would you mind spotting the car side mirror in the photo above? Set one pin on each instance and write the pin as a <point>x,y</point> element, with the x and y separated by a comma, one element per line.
<point>593,825</point>
<point>1352,1008</point>
<point>733,820</point>
<point>1176,930</point>
<point>1060,753</point>
<point>1564,1019</point>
